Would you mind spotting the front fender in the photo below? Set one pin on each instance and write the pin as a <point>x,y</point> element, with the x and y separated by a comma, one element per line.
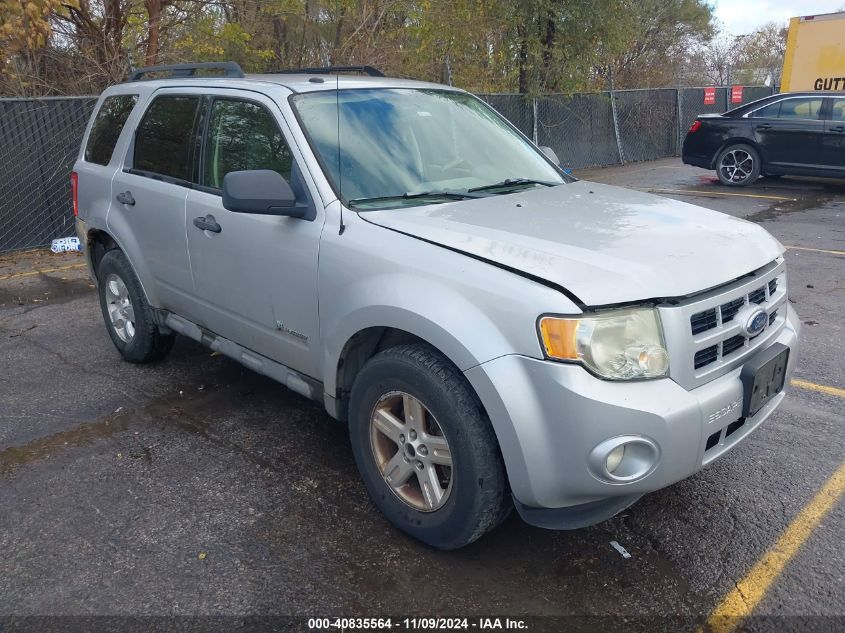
<point>453,325</point>
<point>470,310</point>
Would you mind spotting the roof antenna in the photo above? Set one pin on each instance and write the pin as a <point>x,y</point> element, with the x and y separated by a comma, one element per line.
<point>339,164</point>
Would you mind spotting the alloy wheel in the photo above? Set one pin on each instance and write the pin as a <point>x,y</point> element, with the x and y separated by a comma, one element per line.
<point>121,312</point>
<point>736,165</point>
<point>411,451</point>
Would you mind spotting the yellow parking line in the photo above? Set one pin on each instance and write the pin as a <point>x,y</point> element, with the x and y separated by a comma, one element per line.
<point>29,273</point>
<point>815,250</point>
<point>831,391</point>
<point>749,591</point>
<point>693,192</point>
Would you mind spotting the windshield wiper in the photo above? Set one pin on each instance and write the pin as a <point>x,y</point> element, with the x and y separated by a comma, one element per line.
<point>444,195</point>
<point>510,183</point>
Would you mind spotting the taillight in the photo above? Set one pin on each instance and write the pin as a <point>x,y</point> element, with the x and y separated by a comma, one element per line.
<point>695,125</point>
<point>74,190</point>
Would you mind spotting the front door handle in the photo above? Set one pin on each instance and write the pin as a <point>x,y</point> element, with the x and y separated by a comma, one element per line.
<point>838,128</point>
<point>126,198</point>
<point>764,126</point>
<point>207,223</point>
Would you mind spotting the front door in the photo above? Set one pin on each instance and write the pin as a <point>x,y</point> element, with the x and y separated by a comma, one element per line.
<point>789,132</point>
<point>834,137</point>
<point>256,278</point>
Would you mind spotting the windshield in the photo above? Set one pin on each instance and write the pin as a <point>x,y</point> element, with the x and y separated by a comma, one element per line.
<point>403,147</point>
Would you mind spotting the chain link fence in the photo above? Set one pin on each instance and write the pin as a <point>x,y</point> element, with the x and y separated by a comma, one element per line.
<point>578,127</point>
<point>39,141</point>
<point>612,128</point>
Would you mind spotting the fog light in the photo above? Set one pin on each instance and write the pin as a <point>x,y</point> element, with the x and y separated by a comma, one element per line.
<point>624,459</point>
<point>614,458</point>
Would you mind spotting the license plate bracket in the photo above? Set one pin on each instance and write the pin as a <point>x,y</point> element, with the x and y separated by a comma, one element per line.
<point>763,377</point>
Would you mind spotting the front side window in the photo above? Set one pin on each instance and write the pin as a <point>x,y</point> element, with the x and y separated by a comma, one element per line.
<point>164,139</point>
<point>838,111</point>
<point>394,145</point>
<point>107,127</point>
<point>243,135</point>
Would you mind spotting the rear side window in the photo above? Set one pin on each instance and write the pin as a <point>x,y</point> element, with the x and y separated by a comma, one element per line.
<point>164,139</point>
<point>808,108</point>
<point>243,135</point>
<point>107,127</point>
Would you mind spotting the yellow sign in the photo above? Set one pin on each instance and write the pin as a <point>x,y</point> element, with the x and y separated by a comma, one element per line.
<point>815,54</point>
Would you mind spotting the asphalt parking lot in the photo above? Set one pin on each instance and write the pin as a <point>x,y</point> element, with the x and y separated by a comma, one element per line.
<point>196,487</point>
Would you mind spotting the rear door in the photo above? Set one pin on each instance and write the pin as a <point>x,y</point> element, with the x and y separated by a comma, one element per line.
<point>149,194</point>
<point>790,132</point>
<point>98,160</point>
<point>255,277</point>
<point>834,138</point>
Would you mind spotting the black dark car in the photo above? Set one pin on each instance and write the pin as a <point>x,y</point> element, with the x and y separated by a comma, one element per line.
<point>800,133</point>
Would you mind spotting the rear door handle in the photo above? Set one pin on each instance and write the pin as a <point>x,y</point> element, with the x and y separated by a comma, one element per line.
<point>207,223</point>
<point>126,198</point>
<point>838,128</point>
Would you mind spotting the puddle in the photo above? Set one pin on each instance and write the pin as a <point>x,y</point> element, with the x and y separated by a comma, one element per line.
<point>42,448</point>
<point>785,207</point>
<point>43,289</point>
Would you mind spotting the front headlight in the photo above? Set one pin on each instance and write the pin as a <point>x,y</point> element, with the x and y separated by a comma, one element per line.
<point>616,344</point>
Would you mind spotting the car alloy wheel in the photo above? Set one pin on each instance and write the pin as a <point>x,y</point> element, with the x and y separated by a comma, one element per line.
<point>737,165</point>
<point>121,312</point>
<point>411,451</point>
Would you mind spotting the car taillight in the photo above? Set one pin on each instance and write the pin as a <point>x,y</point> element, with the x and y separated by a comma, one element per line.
<point>74,190</point>
<point>695,125</point>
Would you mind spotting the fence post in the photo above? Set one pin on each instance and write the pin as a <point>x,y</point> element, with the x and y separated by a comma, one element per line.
<point>616,127</point>
<point>680,121</point>
<point>534,117</point>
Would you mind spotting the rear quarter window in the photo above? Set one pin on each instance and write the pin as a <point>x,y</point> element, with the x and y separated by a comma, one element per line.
<point>164,139</point>
<point>108,124</point>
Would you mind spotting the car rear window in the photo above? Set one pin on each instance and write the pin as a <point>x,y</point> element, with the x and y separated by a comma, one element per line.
<point>107,127</point>
<point>164,139</point>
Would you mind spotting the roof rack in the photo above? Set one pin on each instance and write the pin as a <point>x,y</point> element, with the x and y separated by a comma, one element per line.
<point>327,70</point>
<point>230,69</point>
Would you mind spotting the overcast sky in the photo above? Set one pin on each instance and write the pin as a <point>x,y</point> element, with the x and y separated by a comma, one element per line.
<point>739,17</point>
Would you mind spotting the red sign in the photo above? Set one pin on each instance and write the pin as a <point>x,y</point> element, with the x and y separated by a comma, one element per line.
<point>736,94</point>
<point>709,96</point>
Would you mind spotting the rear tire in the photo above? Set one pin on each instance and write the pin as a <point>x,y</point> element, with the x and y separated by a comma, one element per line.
<point>738,165</point>
<point>129,318</point>
<point>411,412</point>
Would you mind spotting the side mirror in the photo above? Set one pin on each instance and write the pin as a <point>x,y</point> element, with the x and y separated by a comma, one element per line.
<point>550,154</point>
<point>260,191</point>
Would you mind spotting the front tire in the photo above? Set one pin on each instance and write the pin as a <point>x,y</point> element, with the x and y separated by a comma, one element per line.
<point>128,315</point>
<point>738,165</point>
<point>425,448</point>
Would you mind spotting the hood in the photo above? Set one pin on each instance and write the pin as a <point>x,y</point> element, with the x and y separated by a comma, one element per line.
<point>601,243</point>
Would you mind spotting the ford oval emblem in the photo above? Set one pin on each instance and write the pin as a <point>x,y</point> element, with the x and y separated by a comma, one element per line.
<point>756,322</point>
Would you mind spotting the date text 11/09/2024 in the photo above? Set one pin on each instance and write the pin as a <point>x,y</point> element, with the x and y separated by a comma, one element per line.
<point>417,624</point>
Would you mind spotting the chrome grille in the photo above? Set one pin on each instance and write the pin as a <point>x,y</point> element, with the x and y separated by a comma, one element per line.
<point>706,356</point>
<point>758,296</point>
<point>729,309</point>
<point>732,344</point>
<point>703,321</point>
<point>703,337</point>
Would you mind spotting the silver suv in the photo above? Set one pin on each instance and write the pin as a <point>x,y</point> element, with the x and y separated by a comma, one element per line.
<point>495,333</point>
